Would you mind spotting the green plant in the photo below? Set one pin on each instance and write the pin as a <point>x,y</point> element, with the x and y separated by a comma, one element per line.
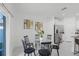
<point>41,33</point>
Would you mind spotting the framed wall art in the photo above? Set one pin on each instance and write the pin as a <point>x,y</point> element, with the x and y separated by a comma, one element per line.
<point>28,24</point>
<point>38,26</point>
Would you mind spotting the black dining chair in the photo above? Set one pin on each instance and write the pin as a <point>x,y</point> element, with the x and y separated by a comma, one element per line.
<point>37,41</point>
<point>55,46</point>
<point>49,37</point>
<point>76,46</point>
<point>28,49</point>
<point>45,51</point>
<point>57,41</point>
<point>46,47</point>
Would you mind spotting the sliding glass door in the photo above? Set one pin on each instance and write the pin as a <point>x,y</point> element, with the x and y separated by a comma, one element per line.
<point>2,35</point>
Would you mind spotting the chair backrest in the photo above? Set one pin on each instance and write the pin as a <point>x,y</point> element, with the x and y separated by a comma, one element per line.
<point>57,39</point>
<point>49,37</point>
<point>26,39</point>
<point>36,36</point>
<point>24,45</point>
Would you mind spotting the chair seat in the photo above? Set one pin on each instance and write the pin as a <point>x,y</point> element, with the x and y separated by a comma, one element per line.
<point>77,41</point>
<point>55,47</point>
<point>44,52</point>
<point>29,50</point>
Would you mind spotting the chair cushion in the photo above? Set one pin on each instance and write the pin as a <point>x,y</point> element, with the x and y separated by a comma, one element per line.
<point>55,47</point>
<point>29,50</point>
<point>44,52</point>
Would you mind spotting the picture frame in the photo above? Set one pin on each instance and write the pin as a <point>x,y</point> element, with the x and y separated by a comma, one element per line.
<point>38,26</point>
<point>28,24</point>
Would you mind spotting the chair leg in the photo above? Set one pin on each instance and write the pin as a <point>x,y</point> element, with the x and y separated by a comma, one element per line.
<point>28,54</point>
<point>78,48</point>
<point>34,53</point>
<point>58,52</point>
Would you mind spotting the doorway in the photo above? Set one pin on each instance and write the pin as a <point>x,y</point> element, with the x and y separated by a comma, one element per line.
<point>2,35</point>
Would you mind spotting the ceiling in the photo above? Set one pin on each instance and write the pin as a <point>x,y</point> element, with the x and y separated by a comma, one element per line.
<point>43,9</point>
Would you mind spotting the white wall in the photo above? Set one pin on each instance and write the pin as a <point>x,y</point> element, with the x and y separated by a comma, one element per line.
<point>49,28</point>
<point>69,27</point>
<point>69,31</point>
<point>77,22</point>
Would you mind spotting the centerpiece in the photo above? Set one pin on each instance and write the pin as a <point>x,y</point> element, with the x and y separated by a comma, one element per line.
<point>41,33</point>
